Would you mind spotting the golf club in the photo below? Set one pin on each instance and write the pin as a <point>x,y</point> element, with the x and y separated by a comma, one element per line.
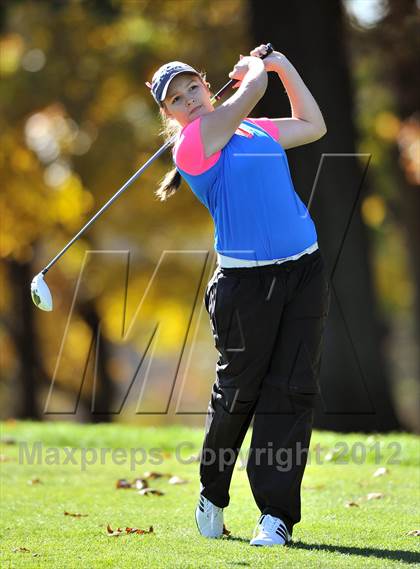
<point>40,292</point>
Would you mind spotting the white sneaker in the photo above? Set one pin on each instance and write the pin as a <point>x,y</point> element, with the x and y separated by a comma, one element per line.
<point>270,531</point>
<point>209,518</point>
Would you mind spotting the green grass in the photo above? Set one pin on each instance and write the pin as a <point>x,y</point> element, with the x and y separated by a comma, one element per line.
<point>329,535</point>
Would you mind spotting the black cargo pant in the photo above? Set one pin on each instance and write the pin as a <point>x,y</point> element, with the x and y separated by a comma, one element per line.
<point>268,325</point>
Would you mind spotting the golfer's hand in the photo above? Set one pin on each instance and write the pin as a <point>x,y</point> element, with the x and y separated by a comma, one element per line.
<point>272,61</point>
<point>241,68</point>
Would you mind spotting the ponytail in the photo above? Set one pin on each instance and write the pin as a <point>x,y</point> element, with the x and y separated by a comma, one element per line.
<point>171,182</point>
<point>169,185</point>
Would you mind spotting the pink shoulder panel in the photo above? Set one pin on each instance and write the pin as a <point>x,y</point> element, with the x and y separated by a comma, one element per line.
<point>268,125</point>
<point>188,151</point>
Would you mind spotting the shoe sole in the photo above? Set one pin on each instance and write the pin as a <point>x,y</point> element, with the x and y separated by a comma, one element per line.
<point>269,544</point>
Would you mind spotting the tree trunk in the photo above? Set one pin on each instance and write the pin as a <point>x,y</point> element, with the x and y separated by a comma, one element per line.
<point>355,386</point>
<point>21,324</point>
<point>397,36</point>
<point>104,392</point>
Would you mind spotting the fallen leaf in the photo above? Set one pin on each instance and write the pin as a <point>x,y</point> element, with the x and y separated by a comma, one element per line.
<point>112,533</point>
<point>139,531</point>
<point>351,504</point>
<point>374,496</point>
<point>226,531</point>
<point>316,487</point>
<point>34,481</point>
<point>75,515</point>
<point>177,480</point>
<point>21,550</point>
<point>380,472</point>
<point>123,483</point>
<point>140,483</point>
<point>413,532</point>
<point>147,491</point>
<point>153,475</point>
<point>119,531</point>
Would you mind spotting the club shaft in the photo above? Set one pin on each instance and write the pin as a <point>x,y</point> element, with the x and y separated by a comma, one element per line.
<point>117,194</point>
<point>134,177</point>
<point>108,203</point>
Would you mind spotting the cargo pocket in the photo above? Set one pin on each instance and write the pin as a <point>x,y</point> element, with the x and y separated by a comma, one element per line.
<point>306,332</point>
<point>304,374</point>
<point>222,309</point>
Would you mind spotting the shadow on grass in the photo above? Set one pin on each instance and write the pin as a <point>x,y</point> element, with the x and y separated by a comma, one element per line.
<point>398,555</point>
<point>237,538</point>
<point>406,556</point>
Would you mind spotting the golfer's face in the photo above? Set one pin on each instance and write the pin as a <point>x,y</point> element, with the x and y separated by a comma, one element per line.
<point>187,98</point>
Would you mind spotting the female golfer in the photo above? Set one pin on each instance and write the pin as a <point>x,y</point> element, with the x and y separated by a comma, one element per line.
<point>269,296</point>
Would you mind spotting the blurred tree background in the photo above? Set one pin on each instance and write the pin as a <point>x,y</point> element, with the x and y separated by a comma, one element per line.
<point>77,120</point>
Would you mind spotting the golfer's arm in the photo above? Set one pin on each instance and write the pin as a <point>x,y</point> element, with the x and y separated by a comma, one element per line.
<point>219,126</point>
<point>307,123</point>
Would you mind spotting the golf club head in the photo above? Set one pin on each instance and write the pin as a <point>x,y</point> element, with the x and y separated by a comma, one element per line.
<point>41,293</point>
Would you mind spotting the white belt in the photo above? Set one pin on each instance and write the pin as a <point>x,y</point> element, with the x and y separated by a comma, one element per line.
<point>231,262</point>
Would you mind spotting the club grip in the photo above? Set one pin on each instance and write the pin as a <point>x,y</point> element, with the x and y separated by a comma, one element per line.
<point>232,82</point>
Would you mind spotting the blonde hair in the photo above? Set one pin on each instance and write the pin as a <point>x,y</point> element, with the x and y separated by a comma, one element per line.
<point>171,182</point>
